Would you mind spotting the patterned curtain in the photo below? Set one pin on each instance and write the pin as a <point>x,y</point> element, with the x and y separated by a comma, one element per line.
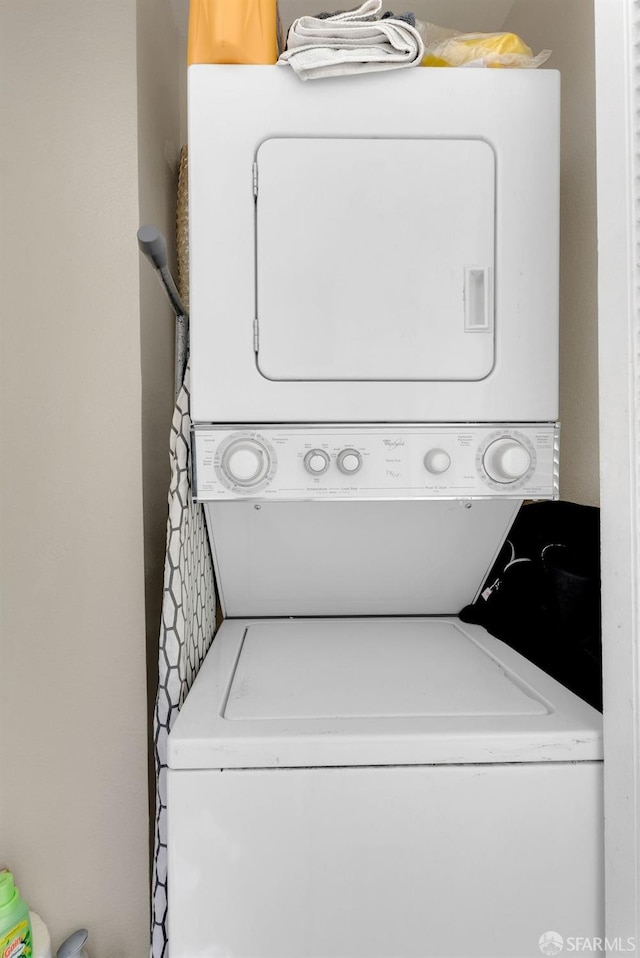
<point>188,606</point>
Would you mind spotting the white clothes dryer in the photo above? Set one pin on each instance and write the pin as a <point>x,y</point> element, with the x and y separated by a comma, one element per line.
<point>374,249</point>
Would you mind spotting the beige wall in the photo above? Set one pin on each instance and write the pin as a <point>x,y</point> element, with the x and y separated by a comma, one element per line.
<point>460,14</point>
<point>73,747</point>
<point>160,63</point>
<point>566,27</point>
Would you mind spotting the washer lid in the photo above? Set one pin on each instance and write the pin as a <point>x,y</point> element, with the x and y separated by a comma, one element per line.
<point>328,692</point>
<point>375,259</point>
<point>346,670</point>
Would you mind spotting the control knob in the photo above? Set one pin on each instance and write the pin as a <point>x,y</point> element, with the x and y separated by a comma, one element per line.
<point>349,461</point>
<point>246,462</point>
<point>316,462</point>
<point>506,460</point>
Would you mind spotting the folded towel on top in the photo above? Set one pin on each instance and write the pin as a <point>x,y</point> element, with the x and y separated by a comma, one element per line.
<point>357,41</point>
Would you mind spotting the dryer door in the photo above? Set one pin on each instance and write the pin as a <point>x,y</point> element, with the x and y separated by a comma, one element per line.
<point>375,259</point>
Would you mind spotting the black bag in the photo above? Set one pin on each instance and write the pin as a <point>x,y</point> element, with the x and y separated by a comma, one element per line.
<point>542,596</point>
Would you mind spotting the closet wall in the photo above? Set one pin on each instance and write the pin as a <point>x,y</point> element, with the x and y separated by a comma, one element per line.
<point>160,65</point>
<point>89,112</point>
<point>566,27</point>
<point>73,742</point>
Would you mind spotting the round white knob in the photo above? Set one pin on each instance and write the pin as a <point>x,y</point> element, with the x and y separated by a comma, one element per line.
<point>246,462</point>
<point>349,461</point>
<point>437,461</point>
<point>506,460</point>
<point>316,462</point>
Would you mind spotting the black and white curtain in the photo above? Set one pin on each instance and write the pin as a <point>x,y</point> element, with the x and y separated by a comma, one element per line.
<point>187,628</point>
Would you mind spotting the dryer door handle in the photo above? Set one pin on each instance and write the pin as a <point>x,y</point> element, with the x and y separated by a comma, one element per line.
<point>478,299</point>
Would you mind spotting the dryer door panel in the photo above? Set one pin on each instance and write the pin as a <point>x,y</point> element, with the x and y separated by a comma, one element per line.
<point>375,259</point>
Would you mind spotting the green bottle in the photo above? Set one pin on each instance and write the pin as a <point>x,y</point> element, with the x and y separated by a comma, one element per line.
<point>15,927</point>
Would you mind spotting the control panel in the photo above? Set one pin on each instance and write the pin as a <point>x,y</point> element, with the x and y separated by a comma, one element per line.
<point>513,460</point>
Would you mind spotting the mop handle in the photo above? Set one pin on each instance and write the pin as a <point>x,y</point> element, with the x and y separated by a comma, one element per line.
<point>152,244</point>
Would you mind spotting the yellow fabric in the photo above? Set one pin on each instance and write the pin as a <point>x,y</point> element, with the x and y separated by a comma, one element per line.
<point>232,31</point>
<point>497,49</point>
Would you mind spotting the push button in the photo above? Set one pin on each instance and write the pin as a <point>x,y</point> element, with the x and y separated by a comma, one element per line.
<point>437,461</point>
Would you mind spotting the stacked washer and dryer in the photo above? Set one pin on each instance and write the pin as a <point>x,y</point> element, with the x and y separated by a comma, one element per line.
<point>374,305</point>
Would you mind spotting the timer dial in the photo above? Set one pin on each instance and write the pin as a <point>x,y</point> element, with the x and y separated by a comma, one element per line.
<point>506,460</point>
<point>245,462</point>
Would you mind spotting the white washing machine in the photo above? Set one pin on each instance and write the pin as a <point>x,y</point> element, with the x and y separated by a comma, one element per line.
<point>374,249</point>
<point>356,774</point>
<point>380,788</point>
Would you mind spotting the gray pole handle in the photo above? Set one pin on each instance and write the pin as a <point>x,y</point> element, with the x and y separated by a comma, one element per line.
<point>153,245</point>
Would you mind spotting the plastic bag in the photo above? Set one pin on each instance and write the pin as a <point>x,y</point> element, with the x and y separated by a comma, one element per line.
<point>542,596</point>
<point>233,31</point>
<point>444,47</point>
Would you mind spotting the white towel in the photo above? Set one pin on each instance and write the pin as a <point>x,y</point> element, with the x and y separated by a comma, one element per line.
<point>353,42</point>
